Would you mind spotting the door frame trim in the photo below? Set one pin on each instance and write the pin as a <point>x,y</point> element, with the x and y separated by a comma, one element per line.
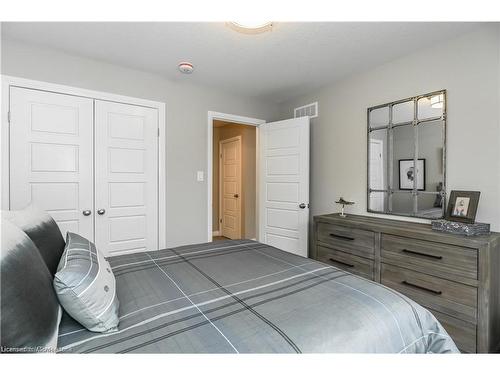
<point>222,141</point>
<point>11,81</point>
<point>212,115</point>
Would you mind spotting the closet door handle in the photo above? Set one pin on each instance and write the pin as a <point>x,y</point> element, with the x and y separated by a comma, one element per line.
<point>101,211</point>
<point>436,292</point>
<point>86,212</point>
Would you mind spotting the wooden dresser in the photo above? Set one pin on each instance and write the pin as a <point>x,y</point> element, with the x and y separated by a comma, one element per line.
<point>455,277</point>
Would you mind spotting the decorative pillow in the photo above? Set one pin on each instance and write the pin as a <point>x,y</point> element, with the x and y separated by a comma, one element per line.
<point>43,231</point>
<point>30,313</point>
<point>86,286</point>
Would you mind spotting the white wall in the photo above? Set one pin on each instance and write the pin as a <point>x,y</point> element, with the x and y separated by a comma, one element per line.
<point>468,67</point>
<point>186,120</point>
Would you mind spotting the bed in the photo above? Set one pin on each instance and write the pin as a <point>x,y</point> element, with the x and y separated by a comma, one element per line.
<point>247,297</point>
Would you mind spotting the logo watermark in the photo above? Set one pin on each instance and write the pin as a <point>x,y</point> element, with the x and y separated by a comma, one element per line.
<point>30,349</point>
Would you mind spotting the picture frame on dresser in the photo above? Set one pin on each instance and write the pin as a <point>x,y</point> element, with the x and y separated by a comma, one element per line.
<point>462,206</point>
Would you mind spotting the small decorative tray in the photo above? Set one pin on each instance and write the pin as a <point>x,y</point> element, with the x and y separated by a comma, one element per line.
<point>475,229</point>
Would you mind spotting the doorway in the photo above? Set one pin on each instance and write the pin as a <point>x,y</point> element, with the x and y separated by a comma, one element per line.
<point>234,180</point>
<point>281,181</point>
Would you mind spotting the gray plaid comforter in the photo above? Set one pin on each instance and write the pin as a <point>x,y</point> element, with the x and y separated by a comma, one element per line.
<point>246,297</point>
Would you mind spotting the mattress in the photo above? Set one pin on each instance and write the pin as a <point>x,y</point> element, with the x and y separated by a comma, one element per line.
<point>247,297</point>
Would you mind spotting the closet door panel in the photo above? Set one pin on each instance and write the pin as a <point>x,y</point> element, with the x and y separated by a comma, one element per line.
<point>51,156</point>
<point>126,177</point>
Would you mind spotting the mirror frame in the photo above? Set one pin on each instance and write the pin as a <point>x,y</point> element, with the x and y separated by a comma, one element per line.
<point>389,164</point>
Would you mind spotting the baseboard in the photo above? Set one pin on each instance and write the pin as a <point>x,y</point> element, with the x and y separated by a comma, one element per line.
<point>216,233</point>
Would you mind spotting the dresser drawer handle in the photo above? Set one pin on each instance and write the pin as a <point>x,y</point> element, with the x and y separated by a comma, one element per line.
<point>436,292</point>
<point>341,237</point>
<point>340,262</point>
<point>422,254</point>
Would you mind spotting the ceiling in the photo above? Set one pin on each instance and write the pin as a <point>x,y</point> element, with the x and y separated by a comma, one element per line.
<point>292,59</point>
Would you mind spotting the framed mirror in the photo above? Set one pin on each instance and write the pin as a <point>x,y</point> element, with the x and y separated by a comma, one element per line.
<point>407,157</point>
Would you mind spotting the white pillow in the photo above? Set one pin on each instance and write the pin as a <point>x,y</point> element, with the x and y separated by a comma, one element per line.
<point>86,285</point>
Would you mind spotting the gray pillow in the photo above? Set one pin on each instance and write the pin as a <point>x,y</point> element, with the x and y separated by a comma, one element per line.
<point>30,313</point>
<point>86,286</point>
<point>43,231</point>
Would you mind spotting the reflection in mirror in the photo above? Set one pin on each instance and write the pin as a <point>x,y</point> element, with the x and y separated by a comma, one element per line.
<point>414,131</point>
<point>377,149</point>
<point>430,205</point>
<point>378,201</point>
<point>430,106</point>
<point>403,152</point>
<point>430,147</point>
<point>402,203</point>
<point>402,112</point>
<point>379,117</point>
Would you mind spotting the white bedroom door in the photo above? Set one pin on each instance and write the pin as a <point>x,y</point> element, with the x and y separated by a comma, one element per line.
<point>51,157</point>
<point>376,173</point>
<point>126,174</point>
<point>284,184</point>
<point>230,187</point>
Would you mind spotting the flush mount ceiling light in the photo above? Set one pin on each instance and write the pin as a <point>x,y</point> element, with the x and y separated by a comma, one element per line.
<point>437,101</point>
<point>251,27</point>
<point>186,67</point>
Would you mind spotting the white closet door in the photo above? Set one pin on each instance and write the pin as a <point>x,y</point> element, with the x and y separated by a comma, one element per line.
<point>284,184</point>
<point>126,175</point>
<point>51,156</point>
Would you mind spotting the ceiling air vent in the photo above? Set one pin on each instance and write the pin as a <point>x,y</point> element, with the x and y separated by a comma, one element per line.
<point>310,110</point>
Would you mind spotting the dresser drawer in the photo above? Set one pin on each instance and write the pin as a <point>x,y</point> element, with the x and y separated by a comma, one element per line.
<point>463,333</point>
<point>351,263</point>
<point>446,261</point>
<point>351,240</point>
<point>444,296</point>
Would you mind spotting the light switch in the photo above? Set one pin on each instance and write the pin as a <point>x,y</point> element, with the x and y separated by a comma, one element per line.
<point>200,176</point>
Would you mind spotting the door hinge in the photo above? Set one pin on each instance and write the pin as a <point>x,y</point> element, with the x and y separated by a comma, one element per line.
<point>158,132</point>
<point>220,221</point>
<point>8,117</point>
<point>221,156</point>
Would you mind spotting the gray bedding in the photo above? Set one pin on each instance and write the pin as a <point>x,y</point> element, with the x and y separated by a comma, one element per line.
<point>246,297</point>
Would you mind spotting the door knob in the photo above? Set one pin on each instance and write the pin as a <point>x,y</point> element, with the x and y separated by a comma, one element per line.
<point>236,195</point>
<point>101,211</point>
<point>302,205</point>
<point>86,212</point>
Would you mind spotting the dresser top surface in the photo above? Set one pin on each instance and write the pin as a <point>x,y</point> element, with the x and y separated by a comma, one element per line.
<point>407,228</point>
